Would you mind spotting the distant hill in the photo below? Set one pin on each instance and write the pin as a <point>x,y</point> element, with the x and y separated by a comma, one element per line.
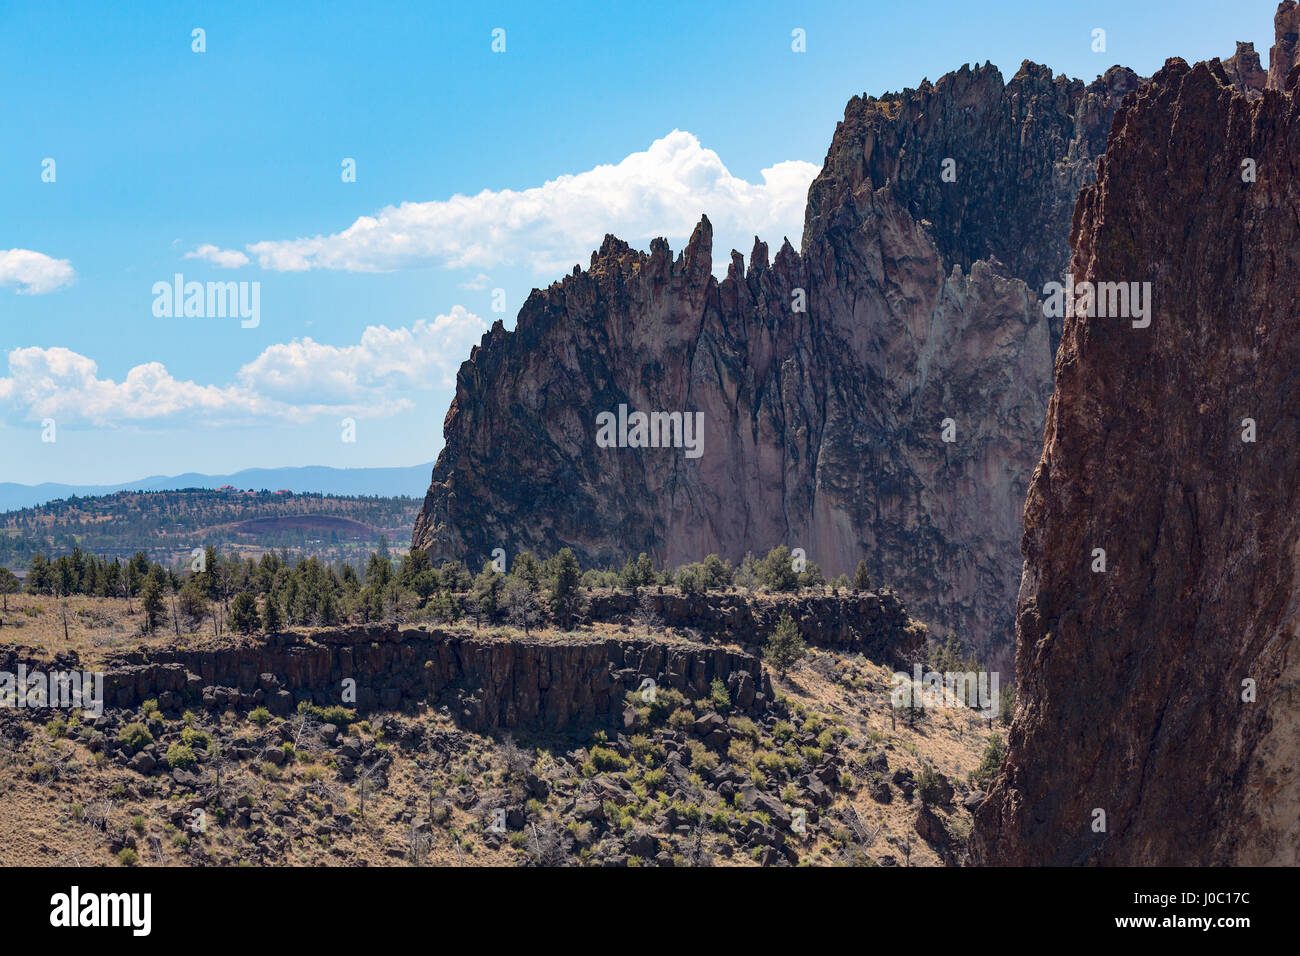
<point>411,481</point>
<point>168,525</point>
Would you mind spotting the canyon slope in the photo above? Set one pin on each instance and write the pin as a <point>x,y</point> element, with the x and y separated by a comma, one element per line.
<point>824,376</point>
<point>1162,692</point>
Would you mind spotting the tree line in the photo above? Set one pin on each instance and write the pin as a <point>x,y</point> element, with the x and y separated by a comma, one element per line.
<point>247,595</point>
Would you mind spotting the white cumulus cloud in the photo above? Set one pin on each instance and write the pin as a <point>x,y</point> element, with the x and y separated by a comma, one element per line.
<point>34,272</point>
<point>426,355</point>
<point>293,382</point>
<point>662,191</point>
<point>222,258</point>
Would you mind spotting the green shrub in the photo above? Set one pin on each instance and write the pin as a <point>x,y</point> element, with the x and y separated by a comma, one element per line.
<point>180,756</point>
<point>681,719</point>
<point>718,696</point>
<point>127,857</point>
<point>260,716</point>
<point>135,736</point>
<point>928,786</point>
<point>193,737</point>
<point>991,759</point>
<point>603,758</point>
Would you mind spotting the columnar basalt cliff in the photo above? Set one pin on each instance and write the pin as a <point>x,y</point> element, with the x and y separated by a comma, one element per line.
<point>486,683</point>
<point>823,377</point>
<point>1164,690</point>
<point>875,625</point>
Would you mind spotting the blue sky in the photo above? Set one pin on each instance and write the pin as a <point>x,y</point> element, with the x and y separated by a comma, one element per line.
<point>226,165</point>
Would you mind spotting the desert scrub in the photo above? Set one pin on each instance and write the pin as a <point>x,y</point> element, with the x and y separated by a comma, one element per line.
<point>180,756</point>
<point>927,784</point>
<point>603,758</point>
<point>702,758</point>
<point>718,696</point>
<point>193,737</point>
<point>745,727</point>
<point>127,857</point>
<point>135,736</point>
<point>770,762</point>
<point>647,751</point>
<point>260,716</point>
<point>681,719</point>
<point>740,752</point>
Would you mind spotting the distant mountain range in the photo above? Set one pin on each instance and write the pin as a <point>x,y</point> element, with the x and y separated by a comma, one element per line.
<point>410,481</point>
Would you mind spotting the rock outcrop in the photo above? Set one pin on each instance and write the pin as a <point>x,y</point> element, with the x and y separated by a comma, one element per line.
<point>1163,692</point>
<point>874,625</point>
<point>486,683</point>
<point>822,379</point>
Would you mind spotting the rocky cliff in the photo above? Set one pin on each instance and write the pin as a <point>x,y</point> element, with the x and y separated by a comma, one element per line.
<point>822,379</point>
<point>487,683</point>
<point>874,625</point>
<point>1163,690</point>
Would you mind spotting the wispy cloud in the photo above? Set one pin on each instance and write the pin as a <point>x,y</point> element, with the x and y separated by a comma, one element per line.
<point>292,382</point>
<point>34,273</point>
<point>661,191</point>
<point>222,258</point>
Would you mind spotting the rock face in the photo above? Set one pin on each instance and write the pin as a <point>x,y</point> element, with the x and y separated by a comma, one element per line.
<point>822,379</point>
<point>874,625</point>
<point>486,683</point>
<point>1286,49</point>
<point>1164,691</point>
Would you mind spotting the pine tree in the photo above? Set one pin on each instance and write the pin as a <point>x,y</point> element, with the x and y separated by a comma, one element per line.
<point>272,619</point>
<point>486,596</point>
<point>861,579</point>
<point>565,597</point>
<point>776,571</point>
<point>151,602</point>
<point>193,604</point>
<point>243,613</point>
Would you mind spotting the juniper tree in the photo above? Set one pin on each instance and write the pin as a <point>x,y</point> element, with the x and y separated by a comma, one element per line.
<point>565,597</point>
<point>8,585</point>
<point>243,613</point>
<point>784,647</point>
